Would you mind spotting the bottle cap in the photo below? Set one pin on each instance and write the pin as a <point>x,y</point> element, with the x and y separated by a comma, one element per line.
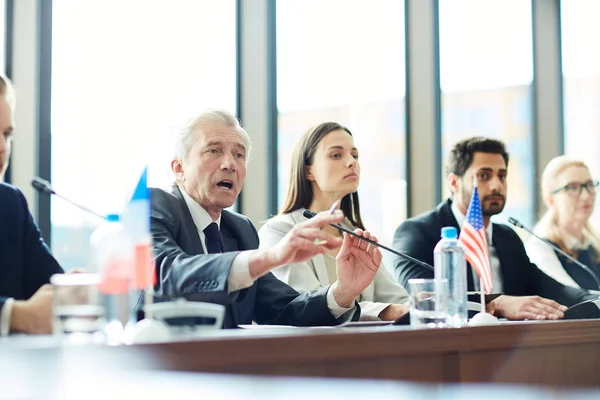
<point>112,217</point>
<point>449,232</point>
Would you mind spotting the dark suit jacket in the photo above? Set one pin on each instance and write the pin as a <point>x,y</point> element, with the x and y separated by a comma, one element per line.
<point>418,236</point>
<point>25,261</point>
<point>183,270</point>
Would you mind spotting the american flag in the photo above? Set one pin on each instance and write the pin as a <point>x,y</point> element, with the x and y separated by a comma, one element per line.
<point>473,238</point>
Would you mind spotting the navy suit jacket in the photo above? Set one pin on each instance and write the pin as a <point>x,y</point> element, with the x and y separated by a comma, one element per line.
<point>25,260</point>
<point>183,270</point>
<point>520,277</point>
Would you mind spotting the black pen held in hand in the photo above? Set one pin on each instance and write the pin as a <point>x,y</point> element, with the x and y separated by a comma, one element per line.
<point>309,214</point>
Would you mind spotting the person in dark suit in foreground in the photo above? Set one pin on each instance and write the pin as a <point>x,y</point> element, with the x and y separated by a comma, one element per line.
<point>206,253</point>
<point>26,263</point>
<point>528,292</point>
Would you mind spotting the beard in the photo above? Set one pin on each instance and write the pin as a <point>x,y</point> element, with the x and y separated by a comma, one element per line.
<point>3,166</point>
<point>488,208</point>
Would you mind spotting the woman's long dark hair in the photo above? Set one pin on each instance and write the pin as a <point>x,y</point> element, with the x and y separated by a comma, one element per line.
<point>300,193</point>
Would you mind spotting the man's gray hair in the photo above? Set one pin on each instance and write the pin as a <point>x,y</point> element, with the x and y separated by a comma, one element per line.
<point>186,136</point>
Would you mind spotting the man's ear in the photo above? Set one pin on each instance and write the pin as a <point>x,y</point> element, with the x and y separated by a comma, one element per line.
<point>308,173</point>
<point>453,181</point>
<point>177,169</point>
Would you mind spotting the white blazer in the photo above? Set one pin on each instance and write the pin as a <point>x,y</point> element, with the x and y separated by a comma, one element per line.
<point>312,274</point>
<point>546,260</point>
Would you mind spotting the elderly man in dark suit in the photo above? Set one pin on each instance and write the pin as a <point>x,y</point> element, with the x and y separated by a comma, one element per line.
<point>26,266</point>
<point>206,253</point>
<point>529,293</point>
<point>26,263</point>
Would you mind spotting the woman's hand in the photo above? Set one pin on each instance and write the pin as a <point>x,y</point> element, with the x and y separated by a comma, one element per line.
<point>394,311</point>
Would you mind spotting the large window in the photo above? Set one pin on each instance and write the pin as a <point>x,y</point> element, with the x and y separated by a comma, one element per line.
<point>343,61</point>
<point>124,74</point>
<point>581,79</point>
<point>486,62</point>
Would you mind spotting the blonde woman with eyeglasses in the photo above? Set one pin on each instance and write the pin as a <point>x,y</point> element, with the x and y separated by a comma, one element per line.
<point>569,192</point>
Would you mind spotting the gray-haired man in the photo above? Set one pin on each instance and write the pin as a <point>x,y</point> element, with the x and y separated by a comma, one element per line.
<point>206,253</point>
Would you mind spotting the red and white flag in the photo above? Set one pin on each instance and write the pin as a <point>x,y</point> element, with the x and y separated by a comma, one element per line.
<point>473,238</point>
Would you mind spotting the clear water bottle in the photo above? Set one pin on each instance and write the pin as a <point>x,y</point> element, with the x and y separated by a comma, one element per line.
<point>112,259</point>
<point>450,263</point>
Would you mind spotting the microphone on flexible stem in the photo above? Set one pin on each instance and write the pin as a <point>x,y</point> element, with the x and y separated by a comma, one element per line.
<point>309,214</point>
<point>43,186</point>
<point>549,243</point>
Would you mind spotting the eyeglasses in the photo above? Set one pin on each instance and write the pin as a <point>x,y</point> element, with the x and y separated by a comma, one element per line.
<point>575,189</point>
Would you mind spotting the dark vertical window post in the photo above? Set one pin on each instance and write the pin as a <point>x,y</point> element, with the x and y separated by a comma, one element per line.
<point>43,134</point>
<point>272,121</point>
<point>8,52</point>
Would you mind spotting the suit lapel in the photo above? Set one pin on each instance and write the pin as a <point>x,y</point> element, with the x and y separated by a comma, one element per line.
<point>446,215</point>
<point>228,237</point>
<point>504,252</point>
<point>188,225</point>
<point>230,243</point>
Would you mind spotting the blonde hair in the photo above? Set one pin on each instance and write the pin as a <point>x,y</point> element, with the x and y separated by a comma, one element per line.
<point>548,225</point>
<point>7,91</point>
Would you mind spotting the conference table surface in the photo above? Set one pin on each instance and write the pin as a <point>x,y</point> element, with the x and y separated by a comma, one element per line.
<point>185,385</point>
<point>560,354</point>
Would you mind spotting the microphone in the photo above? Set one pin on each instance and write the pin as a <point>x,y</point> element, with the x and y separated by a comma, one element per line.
<point>309,214</point>
<point>43,186</point>
<point>549,243</point>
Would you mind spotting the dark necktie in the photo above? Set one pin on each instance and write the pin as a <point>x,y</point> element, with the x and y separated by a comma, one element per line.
<point>213,238</point>
<point>213,245</point>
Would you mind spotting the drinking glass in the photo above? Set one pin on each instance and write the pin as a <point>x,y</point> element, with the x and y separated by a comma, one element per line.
<point>77,314</point>
<point>428,302</point>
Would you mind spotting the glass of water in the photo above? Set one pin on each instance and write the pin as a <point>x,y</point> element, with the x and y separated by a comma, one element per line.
<point>428,302</point>
<point>76,311</point>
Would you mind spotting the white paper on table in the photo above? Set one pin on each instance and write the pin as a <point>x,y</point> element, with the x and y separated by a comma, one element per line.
<point>256,326</point>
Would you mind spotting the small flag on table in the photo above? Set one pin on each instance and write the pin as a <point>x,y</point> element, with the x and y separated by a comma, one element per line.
<point>473,238</point>
<point>136,219</point>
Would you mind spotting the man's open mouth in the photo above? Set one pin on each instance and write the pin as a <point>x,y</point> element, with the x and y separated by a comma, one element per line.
<point>225,185</point>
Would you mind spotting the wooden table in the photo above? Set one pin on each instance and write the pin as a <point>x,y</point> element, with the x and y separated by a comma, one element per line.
<point>561,354</point>
<point>108,385</point>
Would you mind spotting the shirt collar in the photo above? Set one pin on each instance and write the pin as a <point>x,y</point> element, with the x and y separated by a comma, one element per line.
<point>200,216</point>
<point>572,243</point>
<point>460,218</point>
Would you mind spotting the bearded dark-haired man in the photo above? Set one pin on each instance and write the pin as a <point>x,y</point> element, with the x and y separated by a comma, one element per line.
<point>528,292</point>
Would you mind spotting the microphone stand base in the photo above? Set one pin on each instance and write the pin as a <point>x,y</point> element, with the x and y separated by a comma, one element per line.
<point>483,319</point>
<point>147,331</point>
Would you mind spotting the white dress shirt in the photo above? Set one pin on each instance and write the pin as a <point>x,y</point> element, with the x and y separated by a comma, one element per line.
<point>239,275</point>
<point>494,260</point>
<point>5,316</point>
